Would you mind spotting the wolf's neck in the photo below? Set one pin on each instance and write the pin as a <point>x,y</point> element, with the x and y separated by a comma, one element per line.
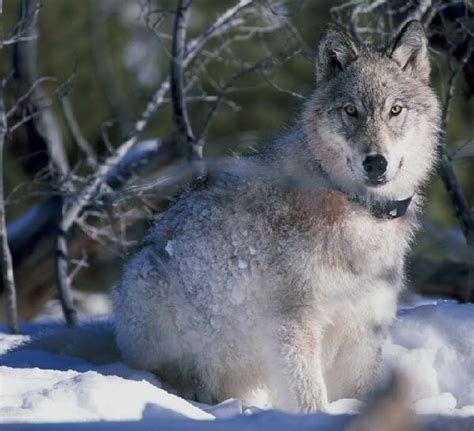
<point>291,159</point>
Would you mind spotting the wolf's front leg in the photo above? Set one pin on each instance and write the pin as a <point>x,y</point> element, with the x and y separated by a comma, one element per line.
<point>297,384</point>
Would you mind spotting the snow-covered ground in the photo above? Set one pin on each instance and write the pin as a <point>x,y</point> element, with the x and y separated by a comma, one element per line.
<point>432,340</point>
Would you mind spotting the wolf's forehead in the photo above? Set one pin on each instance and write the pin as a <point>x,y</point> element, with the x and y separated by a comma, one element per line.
<point>375,80</point>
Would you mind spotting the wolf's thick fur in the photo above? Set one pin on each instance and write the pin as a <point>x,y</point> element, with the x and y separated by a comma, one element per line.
<point>277,274</point>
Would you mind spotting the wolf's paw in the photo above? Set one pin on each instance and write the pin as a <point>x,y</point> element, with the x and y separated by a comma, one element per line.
<point>204,396</point>
<point>198,393</point>
<point>314,402</point>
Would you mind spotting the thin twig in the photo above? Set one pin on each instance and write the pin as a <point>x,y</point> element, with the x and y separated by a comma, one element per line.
<point>31,116</point>
<point>262,66</point>
<point>26,96</point>
<point>417,13</point>
<point>362,9</point>
<point>221,25</point>
<point>76,132</point>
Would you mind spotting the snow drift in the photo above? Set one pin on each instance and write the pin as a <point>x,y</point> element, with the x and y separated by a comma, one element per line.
<point>431,341</point>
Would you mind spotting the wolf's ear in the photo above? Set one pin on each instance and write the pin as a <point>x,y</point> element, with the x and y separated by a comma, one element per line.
<point>410,51</point>
<point>336,50</point>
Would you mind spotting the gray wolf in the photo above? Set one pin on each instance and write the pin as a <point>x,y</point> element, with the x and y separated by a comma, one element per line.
<point>283,271</point>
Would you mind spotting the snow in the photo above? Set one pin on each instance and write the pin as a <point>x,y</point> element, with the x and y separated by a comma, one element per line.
<point>431,341</point>
<point>435,345</point>
<point>55,396</point>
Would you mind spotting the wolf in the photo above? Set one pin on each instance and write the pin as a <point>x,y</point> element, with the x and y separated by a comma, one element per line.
<point>282,271</point>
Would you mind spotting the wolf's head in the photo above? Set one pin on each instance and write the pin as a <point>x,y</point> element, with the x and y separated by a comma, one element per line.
<point>372,121</point>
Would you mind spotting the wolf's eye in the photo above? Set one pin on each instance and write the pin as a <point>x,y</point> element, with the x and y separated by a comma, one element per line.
<point>351,110</point>
<point>396,109</point>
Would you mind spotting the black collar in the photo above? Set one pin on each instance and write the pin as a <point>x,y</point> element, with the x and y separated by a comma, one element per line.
<point>387,210</point>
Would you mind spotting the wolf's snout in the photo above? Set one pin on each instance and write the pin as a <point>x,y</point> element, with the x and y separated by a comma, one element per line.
<point>375,167</point>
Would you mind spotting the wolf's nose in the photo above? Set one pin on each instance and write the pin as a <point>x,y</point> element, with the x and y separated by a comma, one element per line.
<point>375,166</point>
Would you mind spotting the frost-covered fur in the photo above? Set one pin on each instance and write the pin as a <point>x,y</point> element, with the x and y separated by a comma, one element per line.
<point>272,276</point>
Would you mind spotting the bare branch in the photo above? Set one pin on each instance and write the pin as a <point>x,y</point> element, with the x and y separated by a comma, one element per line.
<point>221,24</point>
<point>63,279</point>
<point>26,71</point>
<point>46,126</point>
<point>14,40</point>
<point>180,111</point>
<point>7,265</point>
<point>446,171</point>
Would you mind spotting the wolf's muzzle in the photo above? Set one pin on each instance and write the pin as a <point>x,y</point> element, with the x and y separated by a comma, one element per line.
<point>375,167</point>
